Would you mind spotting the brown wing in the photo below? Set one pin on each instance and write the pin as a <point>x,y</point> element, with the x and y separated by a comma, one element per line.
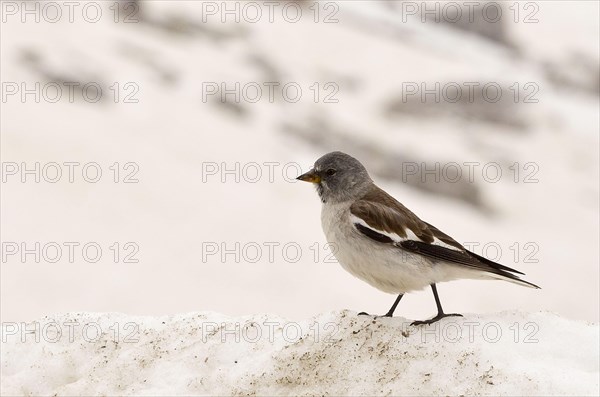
<point>383,212</point>
<point>384,215</point>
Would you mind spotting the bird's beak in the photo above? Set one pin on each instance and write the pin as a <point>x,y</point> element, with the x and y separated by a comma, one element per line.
<point>310,176</point>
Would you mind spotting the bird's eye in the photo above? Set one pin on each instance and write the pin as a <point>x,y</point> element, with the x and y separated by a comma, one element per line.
<point>330,171</point>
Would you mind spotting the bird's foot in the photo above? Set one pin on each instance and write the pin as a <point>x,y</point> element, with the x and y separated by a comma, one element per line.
<point>374,316</point>
<point>436,318</point>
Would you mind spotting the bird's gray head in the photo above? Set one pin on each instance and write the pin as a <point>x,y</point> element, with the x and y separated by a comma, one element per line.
<point>338,177</point>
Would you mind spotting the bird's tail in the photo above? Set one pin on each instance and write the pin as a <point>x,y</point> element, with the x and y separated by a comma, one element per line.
<point>513,279</point>
<point>501,272</point>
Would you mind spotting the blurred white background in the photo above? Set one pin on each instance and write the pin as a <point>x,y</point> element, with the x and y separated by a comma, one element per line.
<point>180,137</point>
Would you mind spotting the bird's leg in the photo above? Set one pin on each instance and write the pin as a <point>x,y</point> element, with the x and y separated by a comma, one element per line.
<point>390,312</point>
<point>440,314</point>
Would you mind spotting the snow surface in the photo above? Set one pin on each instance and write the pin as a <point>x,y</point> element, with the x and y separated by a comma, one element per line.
<point>336,353</point>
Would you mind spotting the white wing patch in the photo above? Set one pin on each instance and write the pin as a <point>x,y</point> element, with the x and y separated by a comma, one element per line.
<point>397,239</point>
<point>437,241</point>
<point>410,235</point>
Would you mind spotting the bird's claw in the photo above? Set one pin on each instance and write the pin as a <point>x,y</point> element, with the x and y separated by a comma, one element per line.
<point>374,316</point>
<point>436,318</point>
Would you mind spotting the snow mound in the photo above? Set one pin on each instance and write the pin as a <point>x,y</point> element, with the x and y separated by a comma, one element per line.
<point>338,353</point>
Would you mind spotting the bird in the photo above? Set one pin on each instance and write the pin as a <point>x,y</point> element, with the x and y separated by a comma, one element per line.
<point>378,240</point>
